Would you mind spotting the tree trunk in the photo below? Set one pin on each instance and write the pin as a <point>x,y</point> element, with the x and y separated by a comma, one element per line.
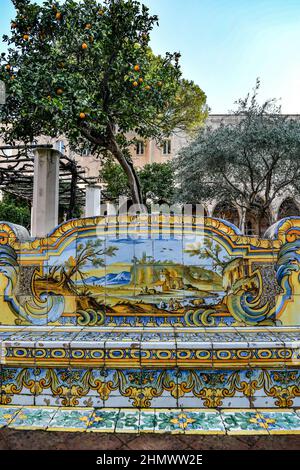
<point>128,167</point>
<point>242,224</point>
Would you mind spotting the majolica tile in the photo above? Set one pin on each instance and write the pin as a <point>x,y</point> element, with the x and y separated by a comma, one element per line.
<point>71,419</point>
<point>78,276</point>
<point>191,340</point>
<point>128,421</point>
<point>18,380</point>
<point>53,381</point>
<point>62,337</point>
<point>239,400</point>
<point>168,250</point>
<point>281,421</point>
<point>146,291</point>
<point>202,422</point>
<point>262,339</point>
<point>28,335</point>
<point>7,414</point>
<point>33,418</point>
<point>89,401</point>
<point>165,400</point>
<point>147,421</point>
<point>48,400</point>
<point>103,420</point>
<point>19,400</point>
<point>127,338</point>
<point>157,340</point>
<point>189,422</point>
<point>6,335</point>
<point>163,420</point>
<point>245,422</point>
<point>119,401</point>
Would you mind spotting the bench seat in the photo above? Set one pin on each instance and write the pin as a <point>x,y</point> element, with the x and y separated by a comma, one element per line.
<point>117,347</point>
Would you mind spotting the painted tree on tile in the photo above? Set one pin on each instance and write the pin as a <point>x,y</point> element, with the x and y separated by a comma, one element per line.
<point>91,253</point>
<point>209,252</point>
<point>85,70</point>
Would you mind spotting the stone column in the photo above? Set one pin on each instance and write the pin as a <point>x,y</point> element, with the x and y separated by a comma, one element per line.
<point>44,216</point>
<point>92,201</point>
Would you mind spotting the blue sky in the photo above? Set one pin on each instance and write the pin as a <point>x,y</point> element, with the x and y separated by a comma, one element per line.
<point>226,44</point>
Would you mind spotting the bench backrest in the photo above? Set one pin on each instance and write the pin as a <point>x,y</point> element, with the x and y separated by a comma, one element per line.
<point>130,271</point>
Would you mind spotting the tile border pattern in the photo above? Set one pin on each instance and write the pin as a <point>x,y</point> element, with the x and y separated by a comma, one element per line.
<point>143,367</point>
<point>174,421</point>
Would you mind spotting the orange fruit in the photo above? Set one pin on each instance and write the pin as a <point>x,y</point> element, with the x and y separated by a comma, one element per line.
<point>12,77</point>
<point>141,80</point>
<point>7,67</point>
<point>82,115</point>
<point>84,46</point>
<point>136,68</point>
<point>25,37</point>
<point>100,12</point>
<point>58,15</point>
<point>148,87</point>
<point>135,84</point>
<point>159,83</point>
<point>88,26</point>
<point>59,91</point>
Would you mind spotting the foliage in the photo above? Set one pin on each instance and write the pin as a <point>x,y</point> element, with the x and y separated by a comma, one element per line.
<point>248,163</point>
<point>115,180</point>
<point>14,210</point>
<point>157,181</point>
<point>85,70</point>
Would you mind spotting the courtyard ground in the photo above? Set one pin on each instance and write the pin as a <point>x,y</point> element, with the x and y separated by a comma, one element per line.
<point>11,439</point>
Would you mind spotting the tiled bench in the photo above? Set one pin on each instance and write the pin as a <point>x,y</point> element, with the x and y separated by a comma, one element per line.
<point>145,367</point>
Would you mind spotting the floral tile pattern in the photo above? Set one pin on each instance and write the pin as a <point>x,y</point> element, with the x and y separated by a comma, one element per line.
<point>159,420</point>
<point>103,420</point>
<point>245,422</point>
<point>147,421</point>
<point>285,422</point>
<point>189,422</point>
<point>71,419</point>
<point>33,418</point>
<point>128,421</point>
<point>7,414</point>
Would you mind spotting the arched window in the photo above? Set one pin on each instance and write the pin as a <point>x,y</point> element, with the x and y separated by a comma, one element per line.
<point>288,208</point>
<point>226,211</point>
<point>257,219</point>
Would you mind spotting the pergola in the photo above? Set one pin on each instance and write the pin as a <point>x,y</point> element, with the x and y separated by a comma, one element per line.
<point>41,173</point>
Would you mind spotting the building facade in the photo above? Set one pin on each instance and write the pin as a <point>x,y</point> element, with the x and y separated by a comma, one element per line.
<point>149,151</point>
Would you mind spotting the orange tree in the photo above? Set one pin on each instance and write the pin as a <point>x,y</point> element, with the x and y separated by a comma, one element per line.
<point>85,70</point>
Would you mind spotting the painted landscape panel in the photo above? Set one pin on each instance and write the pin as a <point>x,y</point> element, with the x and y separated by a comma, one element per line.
<point>83,275</point>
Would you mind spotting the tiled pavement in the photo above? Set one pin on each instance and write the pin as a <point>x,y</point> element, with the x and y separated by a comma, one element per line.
<point>152,421</point>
